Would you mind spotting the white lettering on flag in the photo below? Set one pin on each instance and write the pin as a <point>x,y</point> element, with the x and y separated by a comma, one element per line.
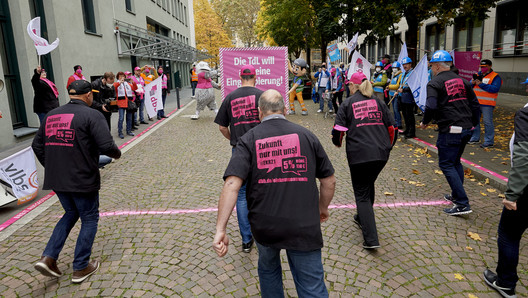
<point>418,80</point>
<point>359,64</point>
<point>19,171</point>
<point>403,54</point>
<point>43,47</point>
<point>152,97</point>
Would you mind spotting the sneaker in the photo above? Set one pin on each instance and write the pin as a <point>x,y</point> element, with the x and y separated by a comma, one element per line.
<point>330,111</point>
<point>449,198</point>
<point>370,246</point>
<point>356,221</point>
<point>457,210</point>
<point>195,117</point>
<point>486,145</point>
<point>48,267</point>
<point>80,275</point>
<point>319,111</point>
<point>130,134</point>
<point>121,136</point>
<point>291,112</point>
<point>304,113</point>
<point>491,279</point>
<point>246,247</point>
<point>470,142</point>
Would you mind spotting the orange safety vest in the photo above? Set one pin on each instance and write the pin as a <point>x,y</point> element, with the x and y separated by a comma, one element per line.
<point>147,79</point>
<point>486,98</point>
<point>194,76</point>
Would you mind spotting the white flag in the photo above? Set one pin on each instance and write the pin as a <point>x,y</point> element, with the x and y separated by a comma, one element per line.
<point>352,43</point>
<point>152,97</point>
<point>359,64</point>
<point>403,54</point>
<point>328,64</point>
<point>42,45</point>
<point>418,80</point>
<point>20,172</point>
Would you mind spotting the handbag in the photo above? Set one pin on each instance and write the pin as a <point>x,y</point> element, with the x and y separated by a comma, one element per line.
<point>132,107</point>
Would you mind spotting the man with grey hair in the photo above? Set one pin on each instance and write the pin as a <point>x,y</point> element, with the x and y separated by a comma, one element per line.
<point>453,104</point>
<point>280,162</point>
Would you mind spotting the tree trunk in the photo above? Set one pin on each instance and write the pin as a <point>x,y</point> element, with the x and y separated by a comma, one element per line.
<point>411,35</point>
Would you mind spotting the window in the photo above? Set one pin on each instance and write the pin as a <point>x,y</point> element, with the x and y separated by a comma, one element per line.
<point>511,33</point>
<point>88,16</point>
<point>363,50</point>
<point>395,46</point>
<point>435,38</point>
<point>128,6</point>
<point>382,48</point>
<point>468,35</point>
<point>185,13</point>
<point>174,8</point>
<point>371,57</point>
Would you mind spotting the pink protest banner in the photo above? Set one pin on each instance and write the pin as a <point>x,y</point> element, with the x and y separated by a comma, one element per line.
<point>270,63</point>
<point>467,63</point>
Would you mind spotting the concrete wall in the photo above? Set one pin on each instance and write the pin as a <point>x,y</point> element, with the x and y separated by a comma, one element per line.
<point>97,53</point>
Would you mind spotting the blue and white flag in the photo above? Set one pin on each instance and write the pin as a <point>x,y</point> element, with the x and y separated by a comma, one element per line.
<point>352,43</point>
<point>333,52</point>
<point>417,81</point>
<point>403,54</point>
<point>328,64</point>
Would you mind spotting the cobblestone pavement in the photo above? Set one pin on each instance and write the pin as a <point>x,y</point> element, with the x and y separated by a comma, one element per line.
<point>178,170</point>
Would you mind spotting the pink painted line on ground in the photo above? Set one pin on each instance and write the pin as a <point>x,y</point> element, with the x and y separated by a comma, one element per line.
<point>468,162</point>
<point>22,213</point>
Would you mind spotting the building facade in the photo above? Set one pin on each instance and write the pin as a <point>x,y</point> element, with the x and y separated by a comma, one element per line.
<point>99,35</point>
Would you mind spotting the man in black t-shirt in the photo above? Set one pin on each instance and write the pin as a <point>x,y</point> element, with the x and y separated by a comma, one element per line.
<point>453,104</point>
<point>280,162</point>
<point>238,114</point>
<point>68,144</point>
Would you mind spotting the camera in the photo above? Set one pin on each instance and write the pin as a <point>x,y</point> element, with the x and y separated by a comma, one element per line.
<point>476,76</point>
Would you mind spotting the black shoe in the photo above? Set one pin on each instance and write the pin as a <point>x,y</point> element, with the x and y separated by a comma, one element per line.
<point>143,122</point>
<point>370,246</point>
<point>246,247</point>
<point>159,118</point>
<point>449,198</point>
<point>491,279</point>
<point>457,210</point>
<point>409,136</point>
<point>356,221</point>
<point>164,116</point>
<point>121,136</point>
<point>486,145</point>
<point>136,123</point>
<point>130,133</point>
<point>470,142</point>
<point>134,128</point>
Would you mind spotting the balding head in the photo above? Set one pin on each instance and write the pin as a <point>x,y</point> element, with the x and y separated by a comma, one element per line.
<point>271,102</point>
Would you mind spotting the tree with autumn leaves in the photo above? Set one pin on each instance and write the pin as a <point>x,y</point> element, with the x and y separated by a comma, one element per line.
<point>209,32</point>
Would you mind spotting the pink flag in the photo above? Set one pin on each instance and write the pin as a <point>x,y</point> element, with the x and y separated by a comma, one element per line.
<point>43,47</point>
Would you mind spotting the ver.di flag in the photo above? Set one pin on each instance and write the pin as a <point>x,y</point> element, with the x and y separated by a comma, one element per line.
<point>19,172</point>
<point>403,54</point>
<point>43,47</point>
<point>417,81</point>
<point>152,96</point>
<point>359,64</point>
<point>352,43</point>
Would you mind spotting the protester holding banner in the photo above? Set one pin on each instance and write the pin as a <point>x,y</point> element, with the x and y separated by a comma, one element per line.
<point>322,76</point>
<point>77,75</point>
<point>299,71</point>
<point>453,104</point>
<point>68,146</point>
<point>46,93</point>
<point>237,115</point>
<point>124,93</point>
<point>486,85</point>
<point>514,218</point>
<point>140,95</point>
<point>379,81</point>
<point>164,91</point>
<point>104,97</point>
<point>393,87</point>
<point>407,100</point>
<point>280,161</point>
<point>370,136</point>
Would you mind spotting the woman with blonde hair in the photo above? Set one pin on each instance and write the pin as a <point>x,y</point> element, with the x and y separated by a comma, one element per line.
<point>370,136</point>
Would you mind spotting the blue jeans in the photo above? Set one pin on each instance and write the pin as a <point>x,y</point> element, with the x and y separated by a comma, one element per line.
<point>85,206</point>
<point>306,268</point>
<point>104,160</point>
<point>122,112</point>
<point>396,109</point>
<point>489,129</point>
<point>450,149</point>
<point>41,117</point>
<point>193,85</point>
<point>140,111</point>
<point>242,213</point>
<point>161,113</point>
<point>320,91</point>
<point>512,225</point>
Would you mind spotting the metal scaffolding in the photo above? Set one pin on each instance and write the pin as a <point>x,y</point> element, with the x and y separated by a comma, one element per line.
<point>139,42</point>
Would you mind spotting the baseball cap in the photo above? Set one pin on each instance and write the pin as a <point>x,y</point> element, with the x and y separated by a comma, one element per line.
<point>357,78</point>
<point>485,62</point>
<point>79,87</point>
<point>137,68</point>
<point>247,70</point>
<point>525,82</point>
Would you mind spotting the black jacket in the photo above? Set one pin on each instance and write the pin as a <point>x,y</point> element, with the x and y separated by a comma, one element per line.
<point>102,97</point>
<point>68,146</point>
<point>44,100</point>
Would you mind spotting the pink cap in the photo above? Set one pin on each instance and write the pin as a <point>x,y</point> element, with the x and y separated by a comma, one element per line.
<point>128,73</point>
<point>247,70</point>
<point>137,68</point>
<point>333,71</point>
<point>357,78</point>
